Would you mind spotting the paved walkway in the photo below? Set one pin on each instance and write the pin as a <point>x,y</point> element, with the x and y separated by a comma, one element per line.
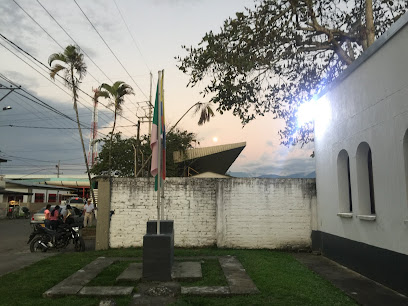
<point>358,287</point>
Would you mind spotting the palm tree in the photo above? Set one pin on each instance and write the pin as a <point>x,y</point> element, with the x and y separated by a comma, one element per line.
<point>74,70</point>
<point>116,93</point>
<point>205,111</point>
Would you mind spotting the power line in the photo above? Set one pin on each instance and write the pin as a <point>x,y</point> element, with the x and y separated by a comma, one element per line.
<point>41,103</point>
<point>31,56</point>
<point>48,69</point>
<point>37,23</point>
<point>42,119</point>
<point>74,42</point>
<point>52,128</point>
<point>110,49</point>
<point>77,45</point>
<point>35,70</point>
<point>43,28</point>
<point>133,39</point>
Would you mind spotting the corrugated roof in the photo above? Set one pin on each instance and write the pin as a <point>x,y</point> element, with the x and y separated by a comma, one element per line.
<point>210,175</point>
<point>29,184</point>
<point>201,152</point>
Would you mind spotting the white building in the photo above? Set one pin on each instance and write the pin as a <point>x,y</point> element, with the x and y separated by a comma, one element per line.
<point>361,148</point>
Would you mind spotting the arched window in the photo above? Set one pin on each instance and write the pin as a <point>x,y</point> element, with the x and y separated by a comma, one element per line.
<point>365,180</point>
<point>343,178</point>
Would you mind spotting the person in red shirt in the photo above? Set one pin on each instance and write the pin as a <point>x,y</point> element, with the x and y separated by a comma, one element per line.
<point>54,217</point>
<point>47,216</point>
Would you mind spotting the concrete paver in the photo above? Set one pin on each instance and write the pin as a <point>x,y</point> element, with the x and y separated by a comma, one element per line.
<point>186,270</point>
<point>237,278</point>
<point>105,291</point>
<point>80,278</point>
<point>181,271</point>
<point>132,273</point>
<point>155,293</point>
<point>206,291</point>
<point>358,287</point>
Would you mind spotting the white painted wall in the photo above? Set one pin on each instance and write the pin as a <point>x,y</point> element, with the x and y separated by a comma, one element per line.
<point>247,213</point>
<point>370,105</point>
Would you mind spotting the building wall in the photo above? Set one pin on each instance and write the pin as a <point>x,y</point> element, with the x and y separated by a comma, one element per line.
<point>265,213</point>
<point>368,107</point>
<point>246,213</point>
<point>371,106</point>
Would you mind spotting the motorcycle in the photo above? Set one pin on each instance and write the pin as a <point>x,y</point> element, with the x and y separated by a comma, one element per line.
<point>43,239</point>
<point>16,211</point>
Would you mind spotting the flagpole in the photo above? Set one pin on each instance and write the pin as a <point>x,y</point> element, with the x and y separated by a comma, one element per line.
<point>161,154</point>
<point>159,158</point>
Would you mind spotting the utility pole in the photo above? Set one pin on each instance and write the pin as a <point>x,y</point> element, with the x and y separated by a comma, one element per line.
<point>136,149</point>
<point>93,144</point>
<point>19,87</point>
<point>150,106</point>
<point>58,169</point>
<point>137,143</point>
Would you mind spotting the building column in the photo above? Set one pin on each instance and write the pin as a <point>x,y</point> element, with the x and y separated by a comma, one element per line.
<point>103,224</point>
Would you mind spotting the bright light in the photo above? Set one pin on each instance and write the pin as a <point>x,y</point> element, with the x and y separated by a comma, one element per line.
<point>215,139</point>
<point>315,110</point>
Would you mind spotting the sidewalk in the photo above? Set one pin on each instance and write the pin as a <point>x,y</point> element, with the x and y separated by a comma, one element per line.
<point>358,287</point>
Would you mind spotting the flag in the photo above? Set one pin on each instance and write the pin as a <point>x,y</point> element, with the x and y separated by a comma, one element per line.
<point>154,139</point>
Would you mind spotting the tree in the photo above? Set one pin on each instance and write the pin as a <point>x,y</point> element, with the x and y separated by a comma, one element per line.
<point>123,153</point>
<point>71,63</point>
<point>116,94</point>
<point>205,111</point>
<point>281,53</point>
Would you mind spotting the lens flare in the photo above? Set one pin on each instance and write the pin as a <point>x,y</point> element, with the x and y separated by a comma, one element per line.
<point>317,111</point>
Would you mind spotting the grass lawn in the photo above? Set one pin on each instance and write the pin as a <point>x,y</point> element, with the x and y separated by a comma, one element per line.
<point>279,277</point>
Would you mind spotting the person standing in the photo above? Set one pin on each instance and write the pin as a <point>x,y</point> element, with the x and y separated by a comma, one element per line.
<point>54,217</point>
<point>47,216</point>
<point>88,213</point>
<point>67,216</point>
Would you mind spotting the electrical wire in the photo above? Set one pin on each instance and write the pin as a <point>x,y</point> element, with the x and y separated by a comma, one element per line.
<point>77,45</point>
<point>26,53</point>
<point>110,49</point>
<point>130,33</point>
<point>31,56</point>
<point>51,128</point>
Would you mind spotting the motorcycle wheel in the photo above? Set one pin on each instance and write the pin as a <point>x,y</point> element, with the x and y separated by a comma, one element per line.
<point>35,245</point>
<point>80,245</point>
<point>27,215</point>
<point>10,215</point>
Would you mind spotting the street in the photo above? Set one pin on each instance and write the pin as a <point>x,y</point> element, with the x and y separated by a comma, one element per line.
<point>14,250</point>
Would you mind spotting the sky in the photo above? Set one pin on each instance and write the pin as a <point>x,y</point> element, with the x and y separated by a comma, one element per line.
<point>143,37</point>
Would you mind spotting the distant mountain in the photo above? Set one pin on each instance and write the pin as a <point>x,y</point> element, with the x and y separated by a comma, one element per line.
<point>271,176</point>
<point>294,175</point>
<point>311,175</point>
<point>239,174</point>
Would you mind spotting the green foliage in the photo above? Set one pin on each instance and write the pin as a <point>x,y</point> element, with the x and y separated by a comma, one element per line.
<point>122,156</point>
<point>74,67</point>
<point>123,153</point>
<point>278,55</point>
<point>116,93</point>
<point>281,279</point>
<point>212,275</point>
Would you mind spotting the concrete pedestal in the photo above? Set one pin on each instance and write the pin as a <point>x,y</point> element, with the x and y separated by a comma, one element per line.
<point>158,251</point>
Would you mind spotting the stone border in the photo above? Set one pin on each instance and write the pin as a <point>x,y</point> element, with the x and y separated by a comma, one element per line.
<point>238,280</point>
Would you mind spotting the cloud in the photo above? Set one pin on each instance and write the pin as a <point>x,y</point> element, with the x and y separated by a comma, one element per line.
<point>269,143</point>
<point>30,148</point>
<point>21,79</point>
